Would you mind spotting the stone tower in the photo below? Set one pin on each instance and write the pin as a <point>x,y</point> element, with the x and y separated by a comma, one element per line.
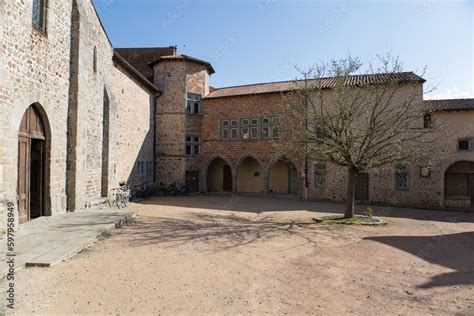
<point>184,81</point>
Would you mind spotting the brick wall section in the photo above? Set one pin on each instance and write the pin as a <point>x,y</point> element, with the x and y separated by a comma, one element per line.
<point>33,68</point>
<point>423,192</point>
<point>135,128</point>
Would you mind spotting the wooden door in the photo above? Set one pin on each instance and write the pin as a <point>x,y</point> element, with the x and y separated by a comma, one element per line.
<point>294,181</point>
<point>23,179</point>
<point>227,184</point>
<point>192,181</point>
<point>362,187</point>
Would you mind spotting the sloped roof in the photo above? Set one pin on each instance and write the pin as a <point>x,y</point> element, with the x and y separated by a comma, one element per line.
<point>140,58</point>
<point>324,83</point>
<point>187,58</point>
<point>448,105</point>
<point>135,73</point>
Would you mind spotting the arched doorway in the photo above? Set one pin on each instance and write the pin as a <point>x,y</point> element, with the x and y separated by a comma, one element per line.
<point>459,185</point>
<point>283,178</point>
<point>219,176</point>
<point>33,158</point>
<point>250,178</point>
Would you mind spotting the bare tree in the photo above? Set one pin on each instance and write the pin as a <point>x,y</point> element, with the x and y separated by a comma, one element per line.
<point>359,122</point>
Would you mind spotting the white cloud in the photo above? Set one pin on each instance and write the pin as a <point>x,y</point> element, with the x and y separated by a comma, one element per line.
<point>450,93</point>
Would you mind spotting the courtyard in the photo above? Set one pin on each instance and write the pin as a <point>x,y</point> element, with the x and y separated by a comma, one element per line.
<point>224,254</point>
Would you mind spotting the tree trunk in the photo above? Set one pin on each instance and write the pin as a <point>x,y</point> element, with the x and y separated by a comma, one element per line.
<point>350,197</point>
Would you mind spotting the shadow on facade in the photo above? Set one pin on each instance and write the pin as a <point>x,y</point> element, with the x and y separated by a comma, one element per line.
<point>453,251</point>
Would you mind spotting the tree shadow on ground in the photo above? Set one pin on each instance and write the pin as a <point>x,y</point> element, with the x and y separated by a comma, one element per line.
<point>453,251</point>
<point>260,204</point>
<point>224,231</point>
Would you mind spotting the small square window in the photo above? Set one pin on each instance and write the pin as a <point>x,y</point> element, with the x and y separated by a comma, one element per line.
<point>245,133</point>
<point>197,139</point>
<point>254,122</point>
<point>234,123</point>
<point>188,139</point>
<point>266,121</point>
<point>463,145</point>
<point>276,121</point>
<point>225,133</point>
<point>225,123</point>
<point>245,122</point>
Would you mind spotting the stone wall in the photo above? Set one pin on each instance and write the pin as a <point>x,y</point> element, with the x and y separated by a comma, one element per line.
<point>93,85</point>
<point>135,128</point>
<point>34,68</point>
<point>175,79</point>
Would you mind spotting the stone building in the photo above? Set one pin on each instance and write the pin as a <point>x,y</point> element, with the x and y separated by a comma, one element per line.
<point>78,117</point>
<point>69,106</point>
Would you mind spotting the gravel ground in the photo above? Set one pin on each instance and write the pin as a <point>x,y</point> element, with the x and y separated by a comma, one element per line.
<point>251,255</point>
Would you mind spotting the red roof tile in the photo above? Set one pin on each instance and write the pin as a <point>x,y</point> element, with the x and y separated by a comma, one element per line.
<point>448,105</point>
<point>324,83</point>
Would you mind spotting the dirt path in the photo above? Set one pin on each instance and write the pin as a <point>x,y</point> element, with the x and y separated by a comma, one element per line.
<point>199,255</point>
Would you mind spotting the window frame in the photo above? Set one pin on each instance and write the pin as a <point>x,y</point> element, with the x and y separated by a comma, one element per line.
<point>402,169</point>
<point>320,171</point>
<point>468,144</point>
<point>42,25</point>
<point>193,99</point>
<point>192,144</point>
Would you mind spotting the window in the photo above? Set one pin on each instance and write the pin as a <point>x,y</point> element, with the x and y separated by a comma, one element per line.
<point>193,103</point>
<point>245,133</point>
<point>320,176</point>
<point>275,132</point>
<point>234,134</point>
<point>427,123</point>
<point>39,15</point>
<point>149,167</point>
<point>401,177</point>
<point>250,128</point>
<point>94,61</point>
<point>225,129</point>
<point>266,132</point>
<point>463,145</point>
<point>193,145</point>
<point>141,168</point>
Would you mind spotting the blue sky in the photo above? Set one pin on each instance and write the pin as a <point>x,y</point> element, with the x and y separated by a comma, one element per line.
<point>258,41</point>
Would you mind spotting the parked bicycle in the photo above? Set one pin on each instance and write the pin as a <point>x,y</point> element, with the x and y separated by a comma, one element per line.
<point>174,189</point>
<point>120,196</point>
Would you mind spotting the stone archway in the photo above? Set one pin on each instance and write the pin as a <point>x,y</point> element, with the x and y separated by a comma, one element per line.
<point>33,165</point>
<point>283,178</point>
<point>250,176</point>
<point>459,185</point>
<point>219,176</point>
